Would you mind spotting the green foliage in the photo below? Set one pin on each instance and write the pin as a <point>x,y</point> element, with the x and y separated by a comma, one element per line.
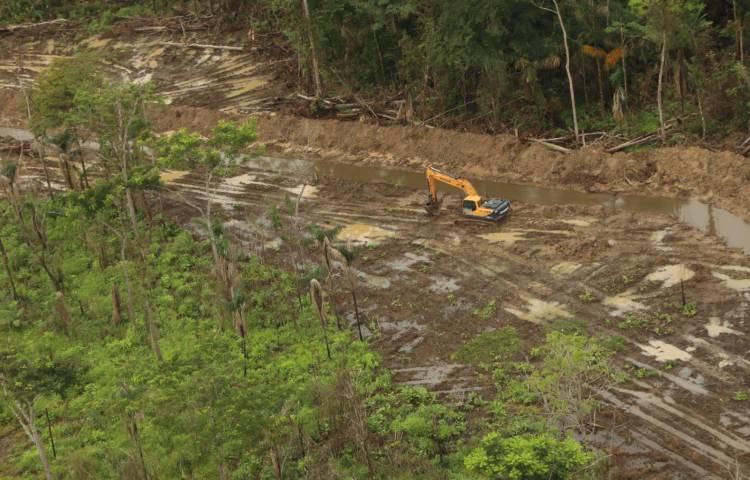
<point>60,90</point>
<point>188,150</point>
<point>571,365</point>
<point>485,312</point>
<point>690,309</point>
<point>490,347</point>
<point>740,396</point>
<point>586,297</point>
<point>537,457</point>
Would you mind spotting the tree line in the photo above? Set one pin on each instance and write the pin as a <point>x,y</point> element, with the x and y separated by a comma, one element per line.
<point>539,65</point>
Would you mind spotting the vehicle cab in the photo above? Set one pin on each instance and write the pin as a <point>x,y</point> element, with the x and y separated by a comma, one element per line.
<point>472,205</point>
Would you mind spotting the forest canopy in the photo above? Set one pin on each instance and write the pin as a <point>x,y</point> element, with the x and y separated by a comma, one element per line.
<point>499,65</point>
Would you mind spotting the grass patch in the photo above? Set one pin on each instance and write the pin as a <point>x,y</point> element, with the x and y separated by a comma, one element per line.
<point>490,347</point>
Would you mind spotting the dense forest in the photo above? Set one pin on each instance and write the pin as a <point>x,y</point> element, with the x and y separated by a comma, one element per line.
<point>544,65</point>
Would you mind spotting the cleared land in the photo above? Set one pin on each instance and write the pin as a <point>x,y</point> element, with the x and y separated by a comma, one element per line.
<point>428,285</point>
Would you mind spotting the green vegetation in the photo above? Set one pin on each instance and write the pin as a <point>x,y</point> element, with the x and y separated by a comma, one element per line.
<point>485,312</point>
<point>488,348</point>
<point>659,322</point>
<point>586,297</point>
<point>740,396</point>
<point>690,309</point>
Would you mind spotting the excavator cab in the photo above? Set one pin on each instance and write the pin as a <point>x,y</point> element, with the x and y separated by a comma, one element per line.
<point>471,204</point>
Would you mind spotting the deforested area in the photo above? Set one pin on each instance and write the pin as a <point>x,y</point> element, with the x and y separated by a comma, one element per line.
<point>326,239</point>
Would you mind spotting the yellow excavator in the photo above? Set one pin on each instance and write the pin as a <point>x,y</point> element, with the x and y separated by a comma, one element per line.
<point>473,206</point>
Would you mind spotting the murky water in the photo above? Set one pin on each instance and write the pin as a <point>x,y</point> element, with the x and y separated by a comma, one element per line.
<point>700,215</point>
<point>712,220</point>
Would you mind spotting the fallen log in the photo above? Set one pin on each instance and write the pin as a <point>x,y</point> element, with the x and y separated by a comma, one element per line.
<point>745,146</point>
<point>201,45</point>
<point>551,146</point>
<point>632,143</point>
<point>649,137</point>
<point>23,26</point>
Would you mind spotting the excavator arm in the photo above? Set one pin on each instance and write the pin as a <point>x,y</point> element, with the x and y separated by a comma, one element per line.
<point>434,176</point>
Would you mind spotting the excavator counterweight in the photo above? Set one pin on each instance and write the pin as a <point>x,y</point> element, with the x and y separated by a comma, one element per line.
<point>473,206</point>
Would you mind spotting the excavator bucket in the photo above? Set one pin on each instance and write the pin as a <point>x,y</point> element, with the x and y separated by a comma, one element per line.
<point>433,207</point>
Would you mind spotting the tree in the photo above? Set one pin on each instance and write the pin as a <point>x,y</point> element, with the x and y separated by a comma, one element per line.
<point>216,156</point>
<point>538,457</point>
<point>571,88</point>
<point>55,105</point>
<point>26,374</point>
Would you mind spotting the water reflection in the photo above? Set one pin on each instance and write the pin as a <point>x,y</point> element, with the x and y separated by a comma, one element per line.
<point>712,220</point>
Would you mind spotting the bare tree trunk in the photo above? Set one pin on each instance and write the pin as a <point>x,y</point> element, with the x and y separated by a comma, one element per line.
<point>8,270</point>
<point>43,159</point>
<point>622,58</point>
<point>62,312</point>
<point>585,84</point>
<point>599,81</point>
<point>136,436</point>
<point>84,172</point>
<point>153,329</point>
<point>662,130</point>
<point>567,68</point>
<point>700,111</point>
<point>116,306</point>
<point>24,413</point>
<point>65,168</point>
<point>739,34</point>
<point>313,52</point>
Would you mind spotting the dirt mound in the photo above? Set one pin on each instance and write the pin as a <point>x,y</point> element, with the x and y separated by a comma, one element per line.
<point>718,177</point>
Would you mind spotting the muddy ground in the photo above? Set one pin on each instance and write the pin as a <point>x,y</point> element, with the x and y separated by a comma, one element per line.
<point>423,278</point>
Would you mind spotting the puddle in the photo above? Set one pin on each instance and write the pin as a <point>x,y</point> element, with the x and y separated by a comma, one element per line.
<point>240,180</point>
<point>539,311</point>
<point>409,346</point>
<point>670,275</point>
<point>623,303</point>
<point>565,268</point>
<point>664,352</point>
<point>444,285</point>
<point>735,268</point>
<point>657,238</point>
<point>741,285</point>
<point>578,222</point>
<point>363,233</point>
<point>373,281</point>
<point>716,327</point>
<point>507,238</point>
<point>308,191</point>
<point>409,259</point>
<point>428,376</point>
<point>169,176</point>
